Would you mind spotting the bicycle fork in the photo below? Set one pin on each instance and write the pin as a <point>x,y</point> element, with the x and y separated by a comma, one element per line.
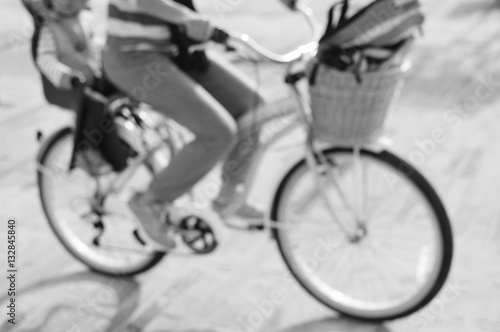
<point>320,166</point>
<point>323,167</point>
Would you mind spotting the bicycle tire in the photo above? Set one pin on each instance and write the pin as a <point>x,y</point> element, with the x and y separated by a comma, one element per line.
<point>44,153</point>
<point>421,184</point>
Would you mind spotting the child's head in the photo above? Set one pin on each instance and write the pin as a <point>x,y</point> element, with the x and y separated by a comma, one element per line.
<point>68,8</point>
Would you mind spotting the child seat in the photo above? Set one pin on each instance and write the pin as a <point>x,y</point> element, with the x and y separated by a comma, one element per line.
<point>89,106</point>
<point>55,96</point>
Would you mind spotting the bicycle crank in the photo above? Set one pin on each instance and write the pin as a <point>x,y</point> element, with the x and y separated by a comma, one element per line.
<point>197,235</point>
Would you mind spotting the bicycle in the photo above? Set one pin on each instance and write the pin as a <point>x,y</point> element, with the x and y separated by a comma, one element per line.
<point>370,221</point>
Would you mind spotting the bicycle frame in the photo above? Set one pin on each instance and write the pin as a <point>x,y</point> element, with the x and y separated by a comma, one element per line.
<point>121,180</point>
<point>312,148</point>
<point>291,119</point>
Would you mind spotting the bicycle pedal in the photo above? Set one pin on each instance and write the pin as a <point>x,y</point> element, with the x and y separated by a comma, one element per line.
<point>256,228</point>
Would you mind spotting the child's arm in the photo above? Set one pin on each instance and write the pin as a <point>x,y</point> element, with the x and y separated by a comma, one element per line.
<point>56,72</point>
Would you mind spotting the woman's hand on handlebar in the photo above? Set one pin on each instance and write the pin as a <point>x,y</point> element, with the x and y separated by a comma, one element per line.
<point>199,28</point>
<point>292,4</point>
<point>219,36</point>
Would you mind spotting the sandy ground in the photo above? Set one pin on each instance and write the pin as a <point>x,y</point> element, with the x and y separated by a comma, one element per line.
<point>458,53</point>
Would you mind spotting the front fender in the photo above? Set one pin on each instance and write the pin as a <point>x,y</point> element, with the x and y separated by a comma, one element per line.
<point>47,142</point>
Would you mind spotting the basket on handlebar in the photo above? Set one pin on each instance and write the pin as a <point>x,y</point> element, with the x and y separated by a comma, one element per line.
<point>350,111</point>
<point>358,71</point>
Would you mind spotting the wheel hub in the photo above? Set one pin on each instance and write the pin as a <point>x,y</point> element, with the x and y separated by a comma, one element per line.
<point>359,234</point>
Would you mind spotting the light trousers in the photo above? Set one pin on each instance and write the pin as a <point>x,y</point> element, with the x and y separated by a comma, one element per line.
<point>208,104</point>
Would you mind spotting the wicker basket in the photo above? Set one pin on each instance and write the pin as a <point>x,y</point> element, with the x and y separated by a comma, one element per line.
<point>348,112</point>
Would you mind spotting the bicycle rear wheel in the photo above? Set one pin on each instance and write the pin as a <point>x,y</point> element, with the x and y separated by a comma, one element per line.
<point>98,231</point>
<point>397,251</point>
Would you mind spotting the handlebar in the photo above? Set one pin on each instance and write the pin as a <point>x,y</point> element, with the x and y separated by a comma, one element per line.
<point>292,4</point>
<point>227,38</point>
<point>220,36</point>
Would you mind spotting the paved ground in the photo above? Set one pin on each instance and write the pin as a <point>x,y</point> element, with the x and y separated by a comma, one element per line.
<point>445,93</point>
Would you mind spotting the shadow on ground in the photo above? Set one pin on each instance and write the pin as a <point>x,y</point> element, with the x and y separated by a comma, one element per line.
<point>321,325</point>
<point>337,325</point>
<point>71,302</point>
<point>476,6</point>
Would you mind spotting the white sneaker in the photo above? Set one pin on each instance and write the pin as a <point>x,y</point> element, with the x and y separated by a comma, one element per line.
<point>250,216</point>
<point>157,233</point>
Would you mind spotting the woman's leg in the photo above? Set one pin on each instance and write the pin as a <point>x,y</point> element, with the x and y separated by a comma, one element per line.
<point>154,79</point>
<point>239,95</point>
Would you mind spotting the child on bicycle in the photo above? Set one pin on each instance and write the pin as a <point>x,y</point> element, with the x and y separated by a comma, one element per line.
<point>67,52</point>
<point>66,48</point>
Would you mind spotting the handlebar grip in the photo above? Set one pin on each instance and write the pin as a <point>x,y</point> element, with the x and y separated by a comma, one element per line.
<point>291,4</point>
<point>219,36</point>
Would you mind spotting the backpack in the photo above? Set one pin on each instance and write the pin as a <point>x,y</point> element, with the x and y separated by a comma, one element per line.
<point>369,37</point>
<point>377,24</point>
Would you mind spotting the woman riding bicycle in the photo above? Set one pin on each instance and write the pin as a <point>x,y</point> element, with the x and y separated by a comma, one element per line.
<point>207,101</point>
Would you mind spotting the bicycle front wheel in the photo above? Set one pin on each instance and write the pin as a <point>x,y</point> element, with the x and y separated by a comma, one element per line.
<point>373,243</point>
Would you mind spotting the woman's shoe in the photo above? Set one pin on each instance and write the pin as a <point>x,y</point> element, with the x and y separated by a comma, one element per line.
<point>250,216</point>
<point>153,230</point>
